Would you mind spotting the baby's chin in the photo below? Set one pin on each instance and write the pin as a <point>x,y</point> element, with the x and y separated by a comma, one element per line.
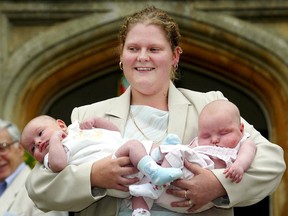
<point>41,159</point>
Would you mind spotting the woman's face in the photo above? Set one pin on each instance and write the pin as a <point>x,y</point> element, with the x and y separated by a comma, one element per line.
<point>148,59</point>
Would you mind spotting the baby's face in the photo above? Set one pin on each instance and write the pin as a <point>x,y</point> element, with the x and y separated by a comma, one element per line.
<point>36,137</point>
<point>220,130</point>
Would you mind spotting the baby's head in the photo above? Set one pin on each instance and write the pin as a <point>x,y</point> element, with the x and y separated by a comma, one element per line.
<point>36,135</point>
<point>220,124</point>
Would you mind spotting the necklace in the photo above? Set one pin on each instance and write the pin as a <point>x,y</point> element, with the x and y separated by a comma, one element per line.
<point>138,128</point>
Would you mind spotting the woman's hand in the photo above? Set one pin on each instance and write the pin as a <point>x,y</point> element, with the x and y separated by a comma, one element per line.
<point>110,173</point>
<point>201,189</point>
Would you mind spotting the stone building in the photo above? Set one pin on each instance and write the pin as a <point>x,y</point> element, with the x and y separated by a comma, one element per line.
<point>55,55</point>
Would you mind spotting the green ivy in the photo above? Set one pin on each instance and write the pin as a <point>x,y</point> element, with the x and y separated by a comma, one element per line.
<point>29,160</point>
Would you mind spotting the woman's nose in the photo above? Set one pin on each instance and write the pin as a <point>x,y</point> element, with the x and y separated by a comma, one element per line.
<point>143,56</point>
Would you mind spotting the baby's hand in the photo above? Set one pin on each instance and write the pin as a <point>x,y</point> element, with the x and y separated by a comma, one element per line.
<point>234,172</point>
<point>87,124</point>
<point>58,135</point>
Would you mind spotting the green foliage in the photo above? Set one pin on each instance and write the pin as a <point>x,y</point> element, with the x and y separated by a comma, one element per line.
<point>29,160</point>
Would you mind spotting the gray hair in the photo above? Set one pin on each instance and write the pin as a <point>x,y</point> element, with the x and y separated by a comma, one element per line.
<point>11,128</point>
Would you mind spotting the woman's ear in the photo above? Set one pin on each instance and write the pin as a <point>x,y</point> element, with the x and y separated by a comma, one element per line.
<point>176,56</point>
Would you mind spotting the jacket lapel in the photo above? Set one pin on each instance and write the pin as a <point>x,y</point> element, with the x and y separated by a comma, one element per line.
<point>178,108</point>
<point>118,116</point>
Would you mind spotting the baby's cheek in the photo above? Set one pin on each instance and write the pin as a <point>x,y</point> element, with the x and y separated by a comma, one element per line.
<point>231,143</point>
<point>203,142</point>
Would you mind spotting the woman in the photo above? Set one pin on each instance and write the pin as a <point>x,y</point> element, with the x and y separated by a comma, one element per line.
<point>149,109</point>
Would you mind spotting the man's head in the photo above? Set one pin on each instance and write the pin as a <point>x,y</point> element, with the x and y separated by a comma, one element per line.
<point>11,152</point>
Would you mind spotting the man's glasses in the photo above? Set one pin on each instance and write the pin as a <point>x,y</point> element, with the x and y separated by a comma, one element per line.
<point>4,147</point>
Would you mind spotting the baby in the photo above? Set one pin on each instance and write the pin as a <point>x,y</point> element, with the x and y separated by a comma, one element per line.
<point>51,142</point>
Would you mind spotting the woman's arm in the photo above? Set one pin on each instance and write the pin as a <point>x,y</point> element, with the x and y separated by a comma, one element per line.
<point>73,188</point>
<point>260,180</point>
<point>68,190</point>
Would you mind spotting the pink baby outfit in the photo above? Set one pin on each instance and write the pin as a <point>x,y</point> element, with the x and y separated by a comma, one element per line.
<point>197,154</point>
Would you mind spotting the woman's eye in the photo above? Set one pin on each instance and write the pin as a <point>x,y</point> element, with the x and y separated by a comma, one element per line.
<point>40,133</point>
<point>133,49</point>
<point>154,49</point>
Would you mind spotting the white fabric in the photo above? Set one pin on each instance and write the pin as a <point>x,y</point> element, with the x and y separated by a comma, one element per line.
<point>228,155</point>
<point>153,124</point>
<point>89,145</point>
